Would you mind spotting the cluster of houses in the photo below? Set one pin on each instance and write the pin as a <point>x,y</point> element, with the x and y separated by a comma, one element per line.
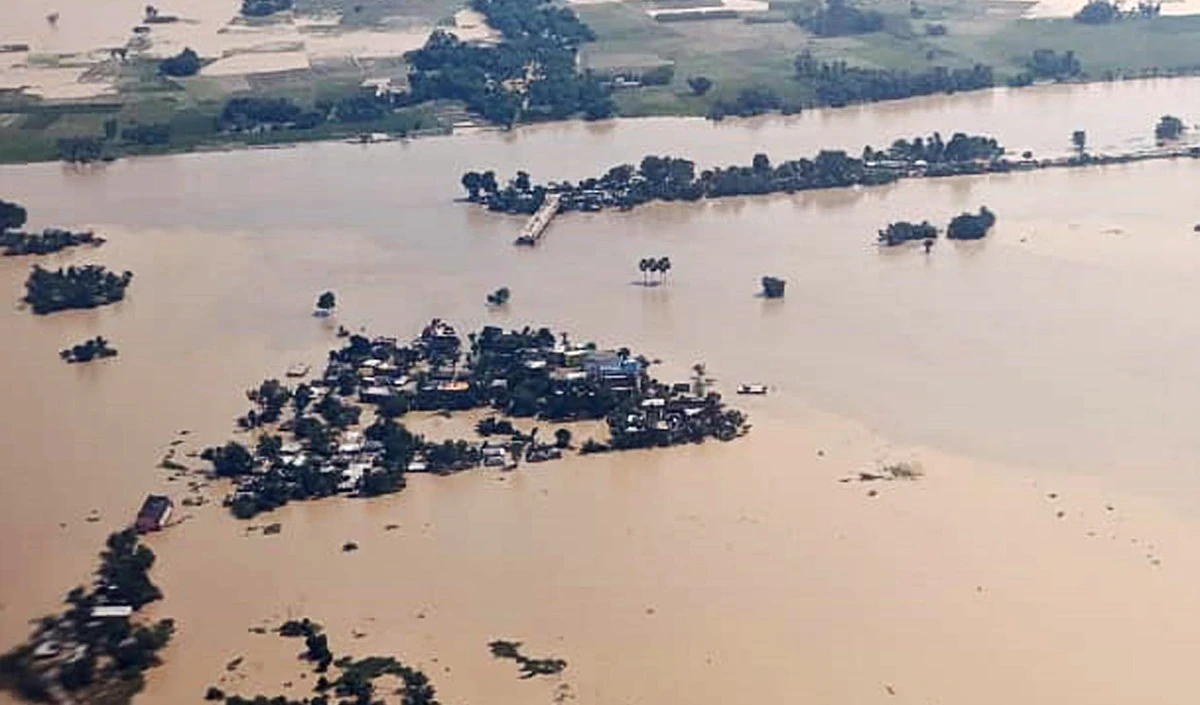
<point>528,373</point>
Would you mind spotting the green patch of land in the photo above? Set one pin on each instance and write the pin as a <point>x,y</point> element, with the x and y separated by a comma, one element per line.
<point>651,64</point>
<point>747,52</point>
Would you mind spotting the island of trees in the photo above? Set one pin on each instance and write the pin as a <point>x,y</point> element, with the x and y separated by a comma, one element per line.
<point>309,444</point>
<point>17,243</point>
<point>672,178</point>
<point>967,226</point>
<point>89,286</point>
<point>971,226</point>
<point>355,679</point>
<point>95,349</point>
<point>96,651</point>
<point>903,231</point>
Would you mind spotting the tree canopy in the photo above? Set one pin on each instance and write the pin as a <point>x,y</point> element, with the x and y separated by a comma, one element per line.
<point>185,63</point>
<point>1169,127</point>
<point>12,216</point>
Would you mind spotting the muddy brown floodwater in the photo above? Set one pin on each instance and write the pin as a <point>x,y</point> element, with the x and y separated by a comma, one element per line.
<point>1056,358</point>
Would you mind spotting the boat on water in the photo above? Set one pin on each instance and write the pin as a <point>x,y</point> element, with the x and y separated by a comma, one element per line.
<point>752,389</point>
<point>298,370</point>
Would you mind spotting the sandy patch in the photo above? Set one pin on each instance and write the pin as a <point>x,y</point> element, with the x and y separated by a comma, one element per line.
<point>257,62</point>
<point>737,5</point>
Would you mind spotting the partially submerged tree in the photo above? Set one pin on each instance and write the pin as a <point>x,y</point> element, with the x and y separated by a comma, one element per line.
<point>499,297</point>
<point>1168,128</point>
<point>773,287</point>
<point>971,226</point>
<point>12,216</point>
<point>326,303</point>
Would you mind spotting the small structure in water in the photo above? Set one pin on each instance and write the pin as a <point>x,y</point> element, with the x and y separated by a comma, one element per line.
<point>298,370</point>
<point>752,389</point>
<point>154,513</point>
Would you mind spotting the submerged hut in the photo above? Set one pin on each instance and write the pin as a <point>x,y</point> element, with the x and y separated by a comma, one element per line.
<point>154,513</point>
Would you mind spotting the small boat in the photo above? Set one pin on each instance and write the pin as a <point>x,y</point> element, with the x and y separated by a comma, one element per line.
<point>752,389</point>
<point>298,370</point>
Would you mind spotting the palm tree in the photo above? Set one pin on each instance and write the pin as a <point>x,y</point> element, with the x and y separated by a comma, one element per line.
<point>664,266</point>
<point>700,379</point>
<point>644,266</point>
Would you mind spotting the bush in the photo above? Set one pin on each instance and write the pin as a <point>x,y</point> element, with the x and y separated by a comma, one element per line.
<point>185,63</point>
<point>970,226</point>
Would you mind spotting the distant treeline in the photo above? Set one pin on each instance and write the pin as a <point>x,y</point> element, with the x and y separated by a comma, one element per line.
<point>837,84</point>
<point>263,8</point>
<point>672,178</point>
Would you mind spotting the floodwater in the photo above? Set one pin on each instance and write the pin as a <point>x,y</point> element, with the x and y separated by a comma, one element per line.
<point>1055,358</point>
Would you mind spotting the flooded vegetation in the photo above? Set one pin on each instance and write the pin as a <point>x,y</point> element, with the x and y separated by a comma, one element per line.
<point>88,286</point>
<point>530,667</point>
<point>15,243</point>
<point>350,680</point>
<point>521,374</point>
<point>671,178</point>
<point>95,349</point>
<point>752,569</point>
<point>97,650</point>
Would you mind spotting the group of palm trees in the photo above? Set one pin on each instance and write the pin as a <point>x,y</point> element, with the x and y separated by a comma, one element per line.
<point>654,265</point>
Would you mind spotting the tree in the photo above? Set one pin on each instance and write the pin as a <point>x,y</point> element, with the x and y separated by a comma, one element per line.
<point>12,216</point>
<point>229,460</point>
<point>1168,128</point>
<point>663,265</point>
<point>1079,139</point>
<point>1098,12</point>
<point>326,302</point>
<point>268,446</point>
<point>644,266</point>
<point>970,226</point>
<point>699,84</point>
<point>185,63</point>
<point>773,287</point>
<point>499,297</point>
<point>562,438</point>
<point>700,379</point>
<point>472,181</point>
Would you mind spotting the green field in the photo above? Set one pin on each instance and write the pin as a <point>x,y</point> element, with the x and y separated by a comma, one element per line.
<point>755,50</point>
<point>735,53</point>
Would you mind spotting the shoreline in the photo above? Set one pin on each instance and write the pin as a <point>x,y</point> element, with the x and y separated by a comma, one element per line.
<point>228,145</point>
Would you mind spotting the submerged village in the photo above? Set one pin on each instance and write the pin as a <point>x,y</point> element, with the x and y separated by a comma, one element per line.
<point>310,443</point>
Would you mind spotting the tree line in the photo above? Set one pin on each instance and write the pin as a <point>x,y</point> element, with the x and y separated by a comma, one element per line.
<point>837,84</point>
<point>671,178</point>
